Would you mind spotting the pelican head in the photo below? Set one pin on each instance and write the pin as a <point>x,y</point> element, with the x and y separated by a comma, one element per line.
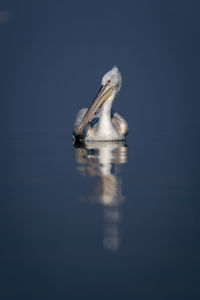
<point>110,86</point>
<point>112,78</point>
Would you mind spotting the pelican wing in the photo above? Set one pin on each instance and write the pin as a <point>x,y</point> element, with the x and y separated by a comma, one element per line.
<point>85,131</point>
<point>79,117</point>
<point>120,123</point>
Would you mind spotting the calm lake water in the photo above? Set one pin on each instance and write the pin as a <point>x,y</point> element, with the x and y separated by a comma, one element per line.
<point>108,220</point>
<point>105,220</point>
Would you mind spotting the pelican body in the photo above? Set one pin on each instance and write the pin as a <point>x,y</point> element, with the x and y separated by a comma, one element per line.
<point>99,122</point>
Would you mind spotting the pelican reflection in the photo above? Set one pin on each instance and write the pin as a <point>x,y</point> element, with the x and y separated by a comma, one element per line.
<point>102,160</point>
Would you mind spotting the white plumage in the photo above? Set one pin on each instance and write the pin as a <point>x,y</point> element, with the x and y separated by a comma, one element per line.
<point>99,122</point>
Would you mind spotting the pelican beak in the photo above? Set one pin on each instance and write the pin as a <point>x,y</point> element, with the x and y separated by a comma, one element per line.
<point>104,93</point>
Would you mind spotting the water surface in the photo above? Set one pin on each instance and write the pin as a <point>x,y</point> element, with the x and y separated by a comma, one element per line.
<point>103,221</point>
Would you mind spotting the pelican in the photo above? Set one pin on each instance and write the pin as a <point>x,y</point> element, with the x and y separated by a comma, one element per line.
<point>99,122</point>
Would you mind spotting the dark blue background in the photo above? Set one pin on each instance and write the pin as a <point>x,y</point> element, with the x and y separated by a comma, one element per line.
<point>52,57</point>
